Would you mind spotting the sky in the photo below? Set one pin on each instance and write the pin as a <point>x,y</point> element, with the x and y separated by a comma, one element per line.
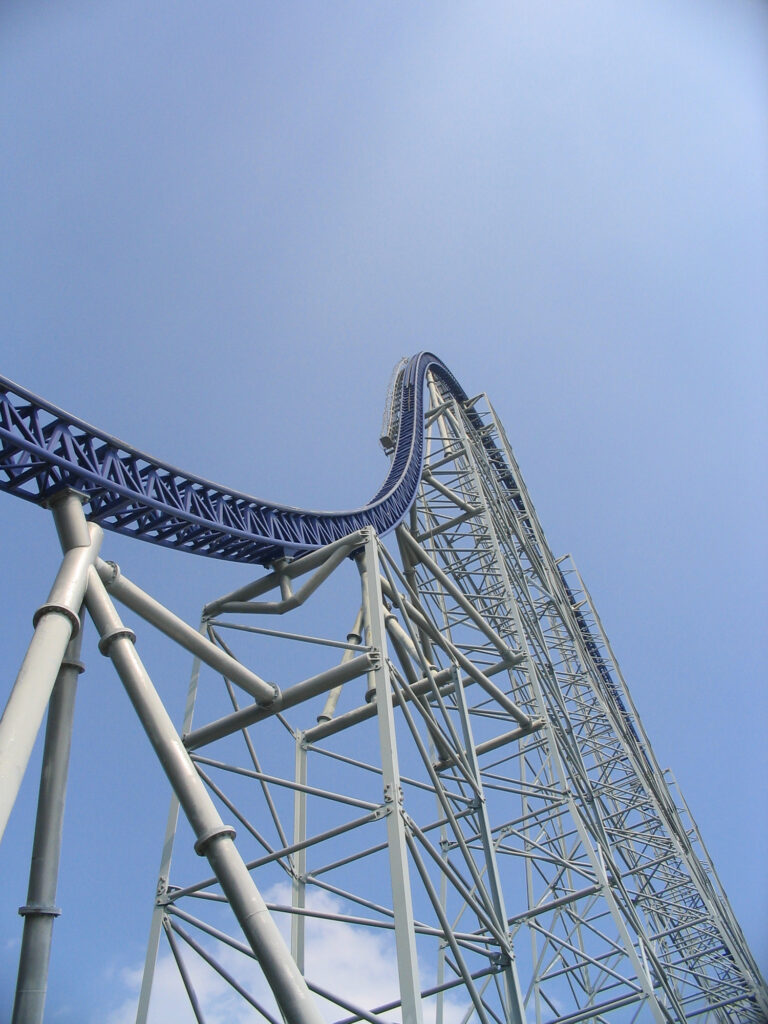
<point>222,226</point>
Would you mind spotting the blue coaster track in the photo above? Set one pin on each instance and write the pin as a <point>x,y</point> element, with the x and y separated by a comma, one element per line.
<point>43,448</point>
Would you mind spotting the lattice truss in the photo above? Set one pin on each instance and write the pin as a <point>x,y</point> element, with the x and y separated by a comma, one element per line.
<point>455,815</point>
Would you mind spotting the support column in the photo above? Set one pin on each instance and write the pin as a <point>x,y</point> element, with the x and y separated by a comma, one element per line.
<point>55,623</point>
<point>514,997</point>
<point>299,859</point>
<point>158,912</point>
<point>378,681</point>
<point>40,910</point>
<point>214,838</point>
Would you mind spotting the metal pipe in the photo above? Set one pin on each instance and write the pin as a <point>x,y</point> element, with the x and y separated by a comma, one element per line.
<point>299,858</point>
<point>293,695</point>
<point>283,634</point>
<point>481,678</point>
<point>561,901</point>
<point>286,851</point>
<point>222,971</point>
<point>214,838</point>
<point>55,623</point>
<point>290,571</point>
<point>450,524</point>
<point>405,650</point>
<point>365,711</point>
<point>353,637</point>
<point>411,581</point>
<point>461,600</point>
<point>379,683</point>
<point>396,632</point>
<point>40,910</point>
<point>289,601</point>
<point>445,924</point>
<point>427,993</point>
<point>448,493</point>
<point>498,741</point>
<point>192,640</point>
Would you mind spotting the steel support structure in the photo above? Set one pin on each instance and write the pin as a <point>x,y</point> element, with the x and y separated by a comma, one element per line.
<point>447,812</point>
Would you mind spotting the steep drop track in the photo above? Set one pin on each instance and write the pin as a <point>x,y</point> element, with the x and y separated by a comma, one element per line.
<point>43,448</point>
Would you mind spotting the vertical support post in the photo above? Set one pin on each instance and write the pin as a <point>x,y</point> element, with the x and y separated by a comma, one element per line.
<point>214,838</point>
<point>514,998</point>
<point>441,955</point>
<point>299,859</point>
<point>593,852</point>
<point>40,910</point>
<point>378,682</point>
<point>158,912</point>
<point>55,623</point>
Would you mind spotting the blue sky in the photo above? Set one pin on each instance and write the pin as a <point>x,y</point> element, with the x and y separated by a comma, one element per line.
<point>224,224</point>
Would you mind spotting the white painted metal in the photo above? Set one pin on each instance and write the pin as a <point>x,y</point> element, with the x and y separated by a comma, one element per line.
<point>456,807</point>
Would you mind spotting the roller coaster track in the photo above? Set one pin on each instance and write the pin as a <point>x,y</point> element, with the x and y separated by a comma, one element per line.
<point>590,806</point>
<point>43,448</point>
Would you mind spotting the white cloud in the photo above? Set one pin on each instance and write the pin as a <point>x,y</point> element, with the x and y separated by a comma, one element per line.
<point>355,962</point>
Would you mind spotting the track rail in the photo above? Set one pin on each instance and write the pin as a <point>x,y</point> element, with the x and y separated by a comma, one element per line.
<point>43,448</point>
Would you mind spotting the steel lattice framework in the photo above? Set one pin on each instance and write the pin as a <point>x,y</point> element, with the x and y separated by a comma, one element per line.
<point>453,815</point>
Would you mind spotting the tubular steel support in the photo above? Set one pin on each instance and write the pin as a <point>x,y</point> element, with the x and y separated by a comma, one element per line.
<point>177,630</point>
<point>349,668</point>
<point>55,623</point>
<point>378,682</point>
<point>298,880</point>
<point>158,912</point>
<point>485,837</point>
<point>515,1006</point>
<point>40,910</point>
<point>214,838</point>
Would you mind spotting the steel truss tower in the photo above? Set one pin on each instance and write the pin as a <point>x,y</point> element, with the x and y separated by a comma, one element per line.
<point>445,810</point>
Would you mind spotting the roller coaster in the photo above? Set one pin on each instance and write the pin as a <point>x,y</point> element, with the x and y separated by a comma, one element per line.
<point>45,449</point>
<point>454,815</point>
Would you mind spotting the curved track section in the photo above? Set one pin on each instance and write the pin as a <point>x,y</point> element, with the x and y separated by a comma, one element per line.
<point>43,448</point>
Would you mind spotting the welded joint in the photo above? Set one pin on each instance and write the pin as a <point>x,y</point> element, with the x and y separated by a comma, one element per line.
<point>210,834</point>
<point>111,577</point>
<point>283,580</point>
<point>276,695</point>
<point>39,910</point>
<point>116,634</point>
<point>59,609</point>
<point>72,528</point>
<point>408,823</point>
<point>513,658</point>
<point>433,414</point>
